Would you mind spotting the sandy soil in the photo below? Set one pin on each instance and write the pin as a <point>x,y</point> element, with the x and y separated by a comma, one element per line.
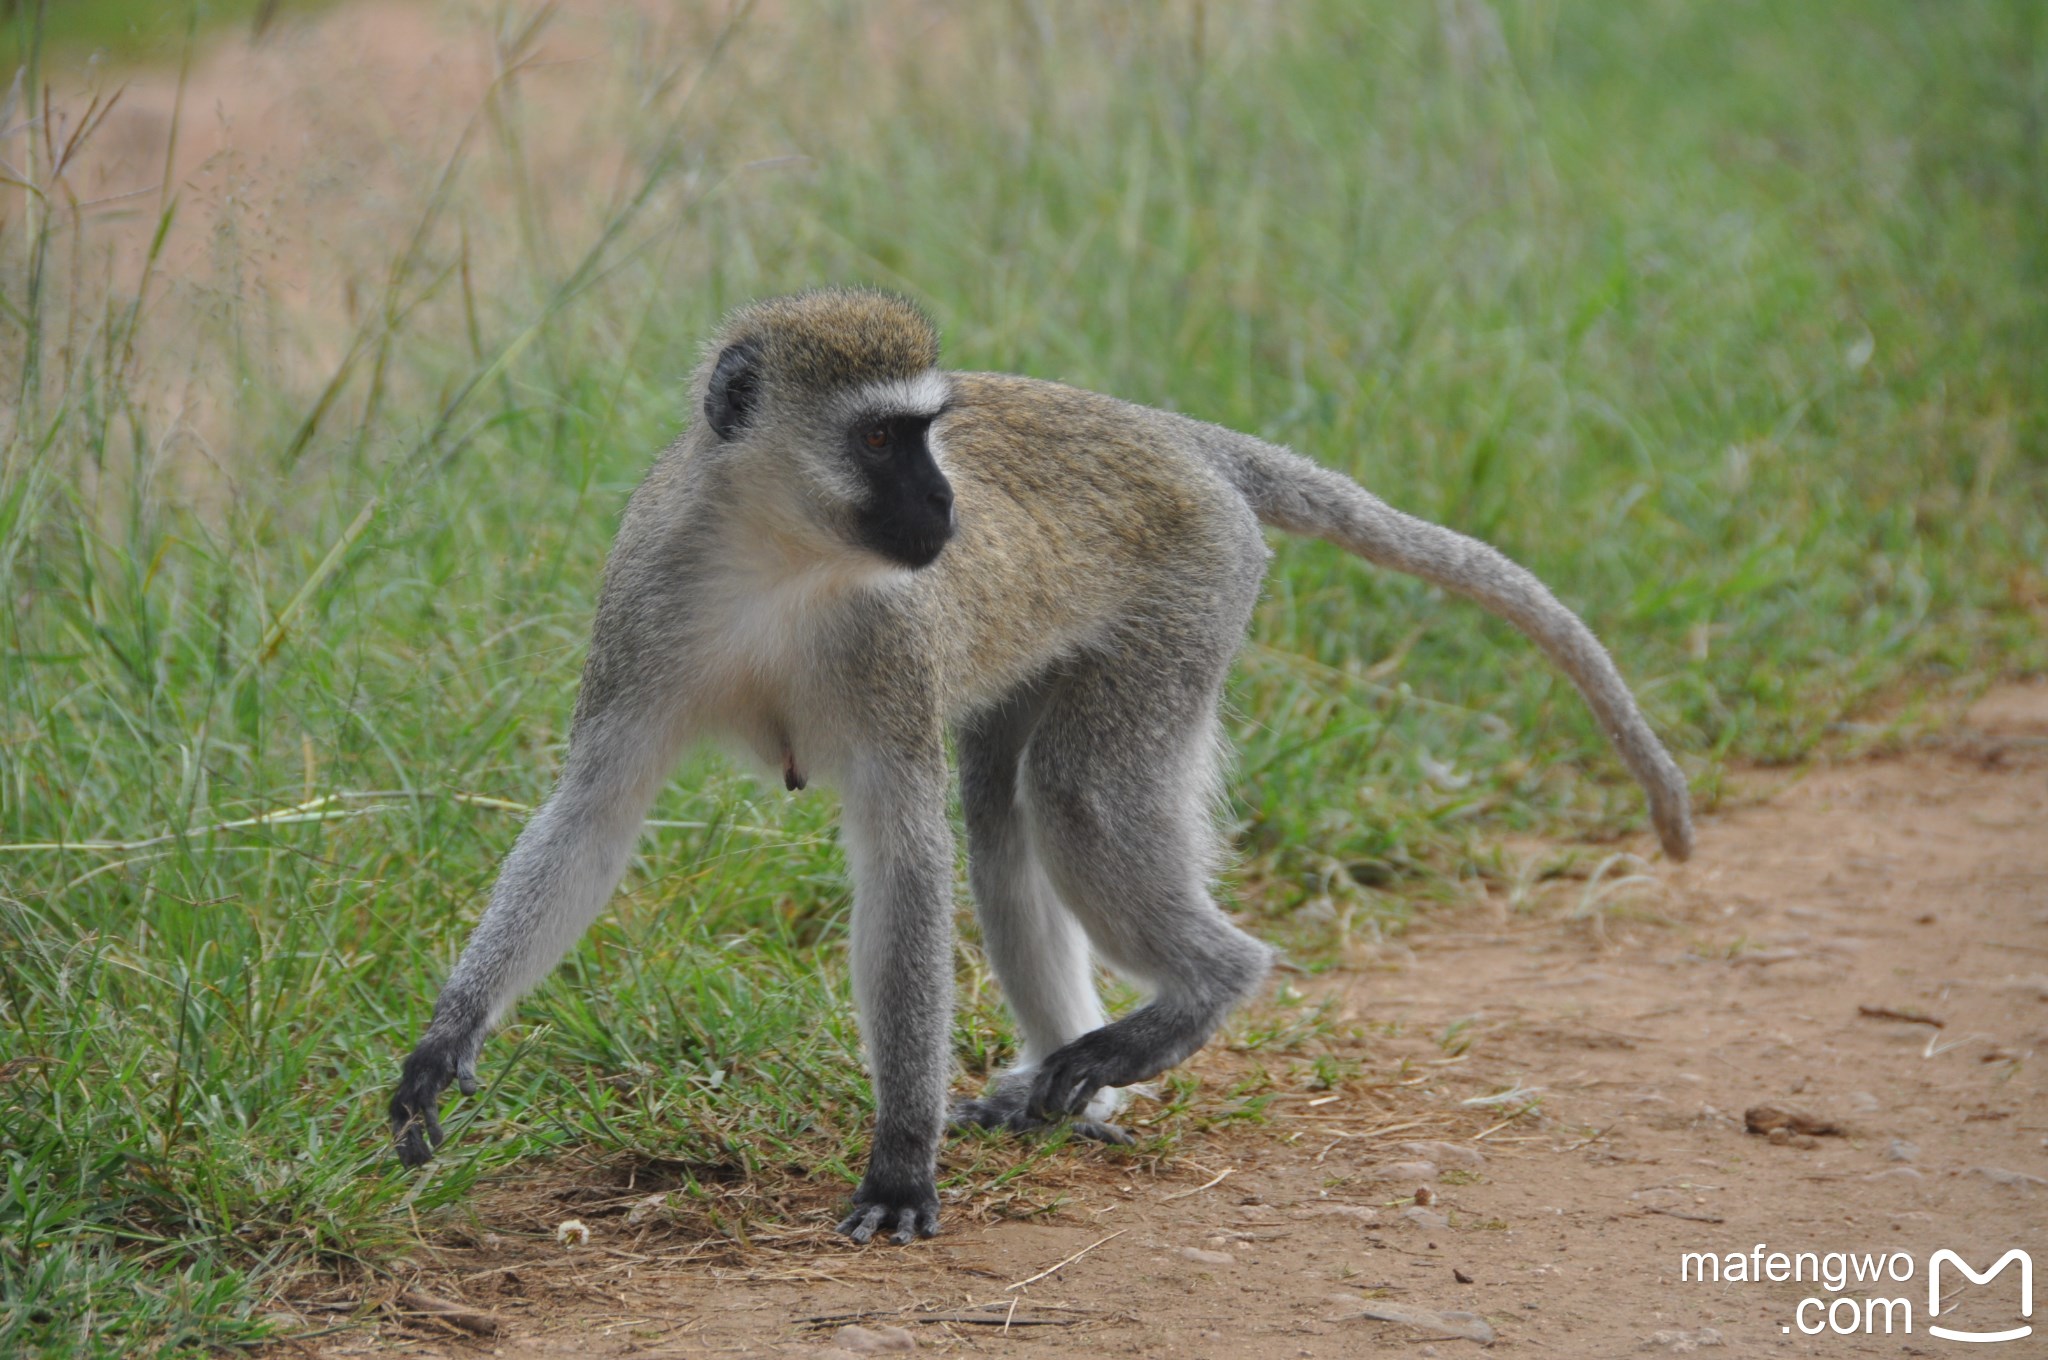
<point>1865,945</point>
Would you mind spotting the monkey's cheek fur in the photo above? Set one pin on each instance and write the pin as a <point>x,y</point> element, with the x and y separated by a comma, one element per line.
<point>905,1212</point>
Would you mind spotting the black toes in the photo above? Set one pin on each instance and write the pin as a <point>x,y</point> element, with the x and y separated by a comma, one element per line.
<point>1009,1106</point>
<point>1102,1133</point>
<point>976,1114</point>
<point>1065,1085</point>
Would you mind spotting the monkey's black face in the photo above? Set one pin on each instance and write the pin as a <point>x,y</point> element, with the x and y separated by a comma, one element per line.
<point>907,514</point>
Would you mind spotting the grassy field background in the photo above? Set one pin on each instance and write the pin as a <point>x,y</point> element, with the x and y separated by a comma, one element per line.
<point>126,29</point>
<point>1731,321</point>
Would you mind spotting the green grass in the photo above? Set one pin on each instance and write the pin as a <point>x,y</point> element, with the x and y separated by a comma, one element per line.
<point>128,29</point>
<point>1728,320</point>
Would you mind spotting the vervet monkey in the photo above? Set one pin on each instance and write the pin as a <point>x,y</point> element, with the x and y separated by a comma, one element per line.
<point>854,552</point>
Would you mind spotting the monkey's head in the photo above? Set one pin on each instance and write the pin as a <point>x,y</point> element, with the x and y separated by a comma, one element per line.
<point>829,396</point>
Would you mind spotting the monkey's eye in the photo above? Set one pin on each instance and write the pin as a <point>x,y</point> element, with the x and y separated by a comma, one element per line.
<point>876,438</point>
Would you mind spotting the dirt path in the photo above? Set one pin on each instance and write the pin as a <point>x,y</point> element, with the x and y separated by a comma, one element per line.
<point>1630,1040</point>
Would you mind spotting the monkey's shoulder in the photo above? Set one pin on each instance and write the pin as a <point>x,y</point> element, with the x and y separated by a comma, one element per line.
<point>1099,465</point>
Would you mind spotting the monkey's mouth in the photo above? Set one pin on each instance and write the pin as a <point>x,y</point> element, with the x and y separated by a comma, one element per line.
<point>922,551</point>
<point>914,545</point>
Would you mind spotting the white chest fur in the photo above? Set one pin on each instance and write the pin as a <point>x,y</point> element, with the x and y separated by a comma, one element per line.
<point>766,642</point>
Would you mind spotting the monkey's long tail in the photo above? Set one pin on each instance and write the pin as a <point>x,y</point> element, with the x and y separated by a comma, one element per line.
<point>1290,492</point>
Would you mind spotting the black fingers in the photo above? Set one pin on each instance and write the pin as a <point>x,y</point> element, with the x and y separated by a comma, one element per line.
<point>862,1224</point>
<point>905,1213</point>
<point>415,1105</point>
<point>415,1126</point>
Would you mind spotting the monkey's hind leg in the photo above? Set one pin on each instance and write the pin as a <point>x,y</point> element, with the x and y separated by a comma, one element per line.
<point>1118,777</point>
<point>1037,948</point>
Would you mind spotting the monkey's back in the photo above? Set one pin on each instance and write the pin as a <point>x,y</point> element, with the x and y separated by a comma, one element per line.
<point>1080,519</point>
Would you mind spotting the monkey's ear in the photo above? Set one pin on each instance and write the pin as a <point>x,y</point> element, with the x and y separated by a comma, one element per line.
<point>735,385</point>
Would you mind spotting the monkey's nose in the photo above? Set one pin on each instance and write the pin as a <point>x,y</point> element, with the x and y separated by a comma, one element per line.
<point>941,500</point>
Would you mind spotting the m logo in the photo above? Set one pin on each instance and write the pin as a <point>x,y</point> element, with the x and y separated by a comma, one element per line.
<point>1934,1293</point>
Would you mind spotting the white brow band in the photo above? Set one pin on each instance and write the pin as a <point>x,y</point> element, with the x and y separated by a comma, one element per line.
<point>922,395</point>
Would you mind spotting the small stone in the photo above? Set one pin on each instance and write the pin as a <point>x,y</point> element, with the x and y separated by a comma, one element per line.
<point>1455,1324</point>
<point>1425,1218</point>
<point>1406,1171</point>
<point>1902,1151</point>
<point>646,1209</point>
<point>1201,1256</point>
<point>1447,1154</point>
<point>1897,1173</point>
<point>1357,1213</point>
<point>1784,1137</point>
<point>2035,987</point>
<point>1679,1341</point>
<point>2012,1180</point>
<point>1862,1102</point>
<point>858,1340</point>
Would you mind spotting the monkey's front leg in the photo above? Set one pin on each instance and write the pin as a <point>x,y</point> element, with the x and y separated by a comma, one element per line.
<point>900,849</point>
<point>558,877</point>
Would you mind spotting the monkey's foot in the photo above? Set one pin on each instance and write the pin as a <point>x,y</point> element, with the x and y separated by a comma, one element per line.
<point>1120,1054</point>
<point>1004,1109</point>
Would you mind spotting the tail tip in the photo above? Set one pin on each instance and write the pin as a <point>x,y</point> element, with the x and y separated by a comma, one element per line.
<point>1674,832</point>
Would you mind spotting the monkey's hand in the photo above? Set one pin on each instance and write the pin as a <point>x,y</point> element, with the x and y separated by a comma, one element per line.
<point>882,1203</point>
<point>415,1105</point>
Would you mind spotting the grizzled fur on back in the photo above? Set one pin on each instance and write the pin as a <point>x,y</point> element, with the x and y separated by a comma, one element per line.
<point>829,339</point>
